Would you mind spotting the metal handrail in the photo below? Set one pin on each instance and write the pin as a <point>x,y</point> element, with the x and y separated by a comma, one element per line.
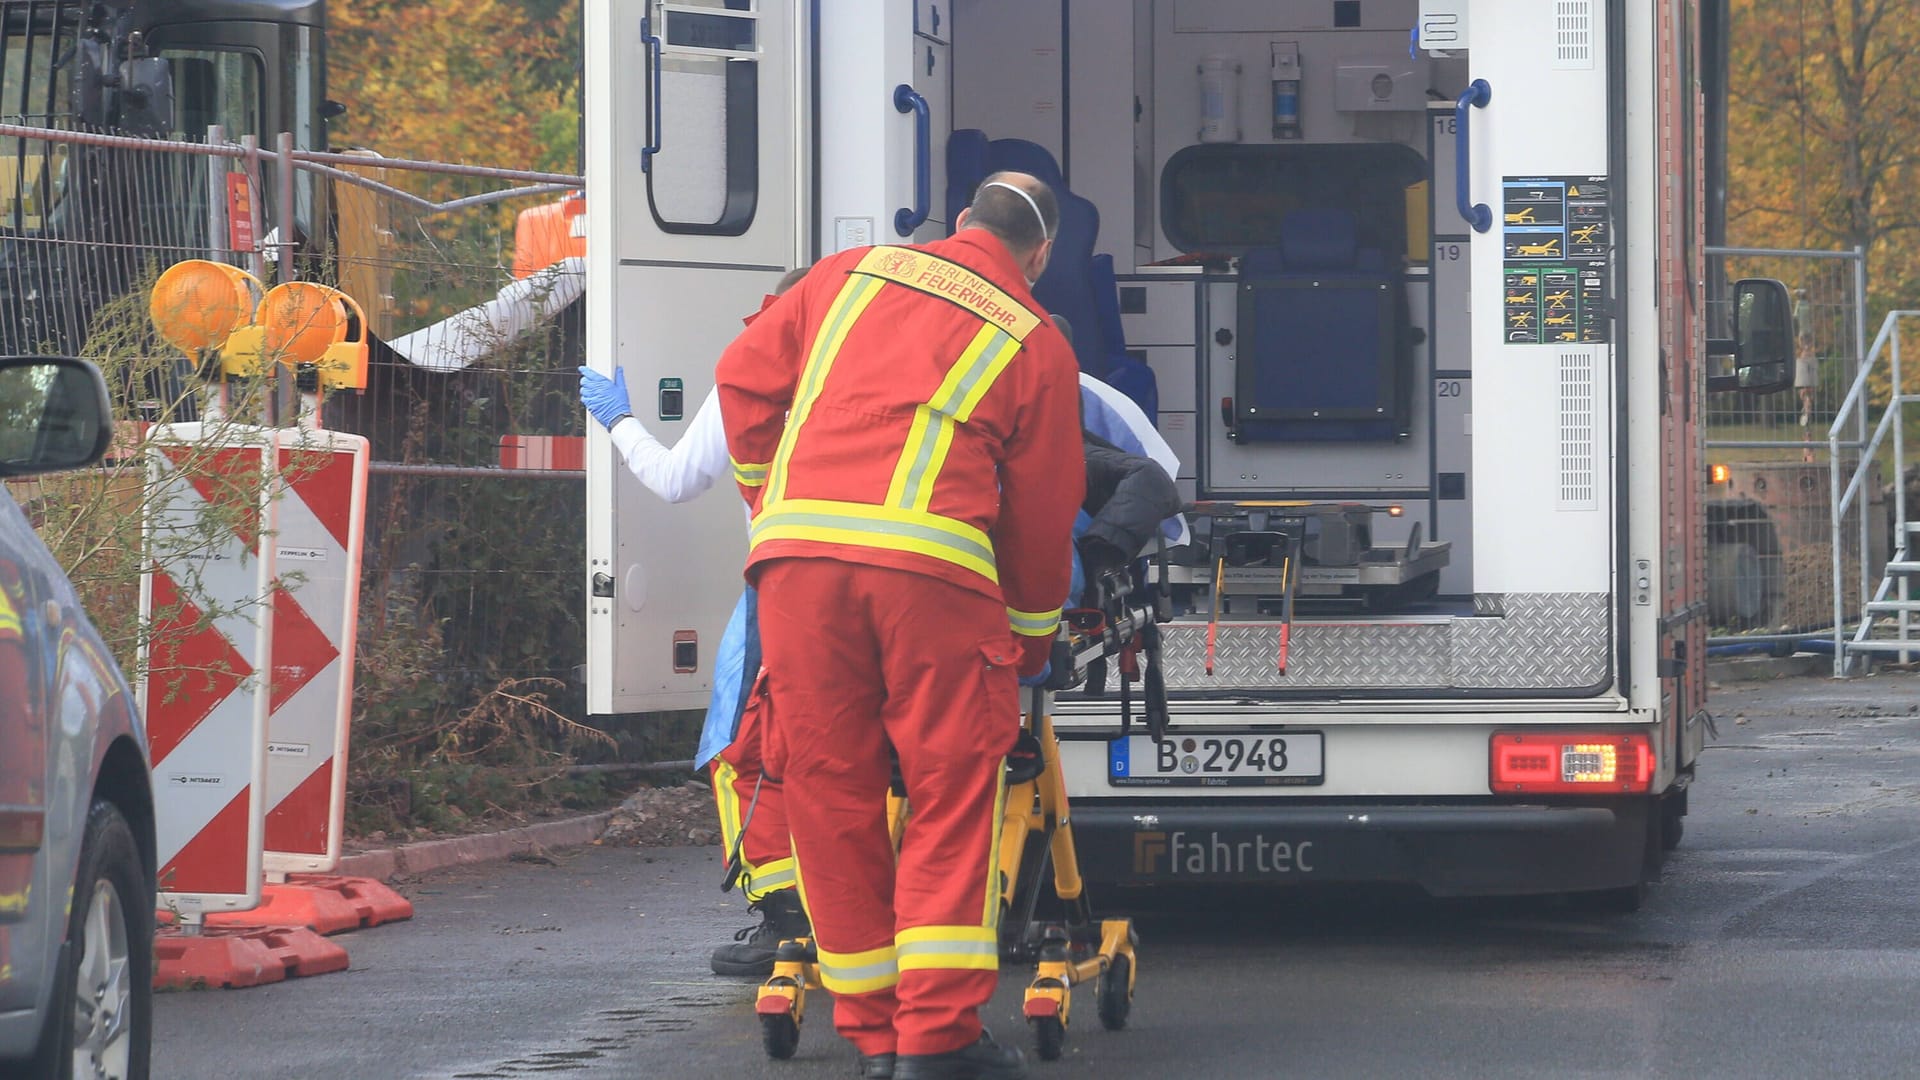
<point>1888,341</point>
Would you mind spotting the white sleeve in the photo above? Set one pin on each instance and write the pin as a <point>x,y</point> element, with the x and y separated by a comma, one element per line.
<point>687,470</point>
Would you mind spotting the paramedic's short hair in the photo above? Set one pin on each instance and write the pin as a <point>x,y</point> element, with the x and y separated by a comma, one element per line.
<point>791,278</point>
<point>1006,215</point>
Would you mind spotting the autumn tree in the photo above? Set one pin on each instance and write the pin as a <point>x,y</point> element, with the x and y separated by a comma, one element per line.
<point>1824,111</point>
<point>491,82</point>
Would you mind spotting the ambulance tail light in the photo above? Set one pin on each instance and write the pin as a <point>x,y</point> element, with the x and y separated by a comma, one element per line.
<point>1570,763</point>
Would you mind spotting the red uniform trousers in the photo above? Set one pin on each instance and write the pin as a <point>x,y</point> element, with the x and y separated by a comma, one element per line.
<point>758,827</point>
<point>860,658</point>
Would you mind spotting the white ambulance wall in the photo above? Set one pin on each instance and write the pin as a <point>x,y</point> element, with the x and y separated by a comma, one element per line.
<point>1100,123</point>
<point>1007,74</point>
<point>866,146</point>
<point>1543,414</point>
<point>1145,179</point>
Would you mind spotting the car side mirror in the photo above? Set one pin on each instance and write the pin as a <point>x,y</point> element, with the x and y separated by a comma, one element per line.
<point>1758,359</point>
<point>54,414</point>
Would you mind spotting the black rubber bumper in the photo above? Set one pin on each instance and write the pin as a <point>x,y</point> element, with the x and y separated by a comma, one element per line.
<point>1446,849</point>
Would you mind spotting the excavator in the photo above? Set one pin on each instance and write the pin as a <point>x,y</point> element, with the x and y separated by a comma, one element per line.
<point>78,224</point>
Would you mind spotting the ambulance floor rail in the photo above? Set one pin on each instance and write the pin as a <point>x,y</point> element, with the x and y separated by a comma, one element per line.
<point>1037,861</point>
<point>1894,596</point>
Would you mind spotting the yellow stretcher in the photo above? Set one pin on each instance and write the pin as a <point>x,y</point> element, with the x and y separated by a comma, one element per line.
<point>1036,836</point>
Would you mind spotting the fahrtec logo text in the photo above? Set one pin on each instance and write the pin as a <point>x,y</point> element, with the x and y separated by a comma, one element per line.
<point>1187,854</point>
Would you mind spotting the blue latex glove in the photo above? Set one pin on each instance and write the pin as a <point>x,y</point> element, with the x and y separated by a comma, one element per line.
<point>1040,679</point>
<point>606,399</point>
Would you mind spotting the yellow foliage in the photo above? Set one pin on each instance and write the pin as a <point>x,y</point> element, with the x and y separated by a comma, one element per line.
<point>1823,115</point>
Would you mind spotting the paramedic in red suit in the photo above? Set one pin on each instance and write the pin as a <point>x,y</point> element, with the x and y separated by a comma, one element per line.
<point>905,425</point>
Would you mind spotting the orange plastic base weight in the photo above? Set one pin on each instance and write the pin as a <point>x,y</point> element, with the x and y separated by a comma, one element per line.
<point>237,958</point>
<point>324,903</point>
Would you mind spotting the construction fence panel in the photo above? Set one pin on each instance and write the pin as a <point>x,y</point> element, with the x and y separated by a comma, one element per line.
<point>475,523</point>
<point>1769,509</point>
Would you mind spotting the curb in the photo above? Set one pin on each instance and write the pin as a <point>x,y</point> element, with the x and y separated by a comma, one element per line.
<point>385,864</point>
<point>1767,668</point>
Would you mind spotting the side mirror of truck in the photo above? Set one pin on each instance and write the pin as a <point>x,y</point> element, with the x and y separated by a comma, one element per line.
<point>1758,359</point>
<point>146,96</point>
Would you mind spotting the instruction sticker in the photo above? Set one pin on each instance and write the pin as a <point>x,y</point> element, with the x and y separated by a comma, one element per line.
<point>1555,236</point>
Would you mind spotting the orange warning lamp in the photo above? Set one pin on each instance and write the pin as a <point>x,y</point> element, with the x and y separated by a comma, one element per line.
<point>313,325</point>
<point>200,306</point>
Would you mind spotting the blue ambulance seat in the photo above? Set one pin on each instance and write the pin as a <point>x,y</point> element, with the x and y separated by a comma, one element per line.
<point>1323,327</point>
<point>967,165</point>
<point>1066,288</point>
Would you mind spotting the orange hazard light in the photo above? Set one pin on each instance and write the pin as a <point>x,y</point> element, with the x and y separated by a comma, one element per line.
<point>1539,763</point>
<point>1718,474</point>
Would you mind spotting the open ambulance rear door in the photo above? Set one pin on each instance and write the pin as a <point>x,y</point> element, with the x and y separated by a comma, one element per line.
<point>698,152</point>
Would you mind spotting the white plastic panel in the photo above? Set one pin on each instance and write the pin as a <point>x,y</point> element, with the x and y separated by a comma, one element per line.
<point>1173,375</point>
<point>673,263</point>
<point>1453,456</point>
<point>1157,312</point>
<point>1527,537</point>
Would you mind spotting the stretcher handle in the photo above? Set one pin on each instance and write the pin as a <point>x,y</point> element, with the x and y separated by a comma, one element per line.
<point>908,218</point>
<point>1478,215</point>
<point>652,146</point>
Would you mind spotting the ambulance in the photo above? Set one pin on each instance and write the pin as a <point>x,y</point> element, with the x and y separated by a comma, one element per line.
<point>1415,288</point>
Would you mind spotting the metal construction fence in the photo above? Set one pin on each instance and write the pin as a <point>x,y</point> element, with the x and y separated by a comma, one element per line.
<point>1769,510</point>
<point>471,576</point>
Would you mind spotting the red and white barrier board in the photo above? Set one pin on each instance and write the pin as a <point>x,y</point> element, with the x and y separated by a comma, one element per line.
<point>320,510</point>
<point>210,517</point>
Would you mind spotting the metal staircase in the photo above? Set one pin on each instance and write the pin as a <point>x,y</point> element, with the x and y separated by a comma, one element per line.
<point>1889,622</point>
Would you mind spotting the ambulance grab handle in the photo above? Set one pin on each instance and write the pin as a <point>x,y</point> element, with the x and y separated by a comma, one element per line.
<point>1478,215</point>
<point>908,218</point>
<point>652,146</point>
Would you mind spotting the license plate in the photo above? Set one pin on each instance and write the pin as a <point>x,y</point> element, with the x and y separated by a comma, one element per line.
<point>1293,759</point>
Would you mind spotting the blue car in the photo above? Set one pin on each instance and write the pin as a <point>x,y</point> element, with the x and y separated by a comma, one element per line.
<point>76,799</point>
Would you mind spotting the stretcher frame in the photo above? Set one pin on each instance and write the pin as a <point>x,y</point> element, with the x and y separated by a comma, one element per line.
<point>1036,836</point>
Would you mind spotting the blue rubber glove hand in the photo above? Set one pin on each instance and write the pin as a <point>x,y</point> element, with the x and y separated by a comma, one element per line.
<point>606,399</point>
<point>1040,679</point>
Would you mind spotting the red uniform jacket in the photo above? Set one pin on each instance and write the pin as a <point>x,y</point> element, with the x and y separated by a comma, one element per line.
<point>912,407</point>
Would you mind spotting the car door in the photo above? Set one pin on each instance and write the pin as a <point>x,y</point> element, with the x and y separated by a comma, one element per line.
<point>25,766</point>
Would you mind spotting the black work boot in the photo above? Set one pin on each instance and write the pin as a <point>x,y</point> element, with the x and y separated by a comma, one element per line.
<point>984,1060</point>
<point>876,1066</point>
<point>781,919</point>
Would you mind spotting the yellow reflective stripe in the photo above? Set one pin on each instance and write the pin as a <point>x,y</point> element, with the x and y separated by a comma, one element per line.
<point>749,475</point>
<point>935,276</point>
<point>948,948</point>
<point>904,489</point>
<point>1034,623</point>
<point>865,525</point>
<point>974,387</point>
<point>854,297</point>
<point>931,436</point>
<point>758,881</point>
<point>858,973</point>
<point>9,618</point>
<point>728,802</point>
<point>990,914</point>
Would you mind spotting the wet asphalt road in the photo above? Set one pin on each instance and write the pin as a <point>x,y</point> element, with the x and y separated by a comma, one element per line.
<point>1783,940</point>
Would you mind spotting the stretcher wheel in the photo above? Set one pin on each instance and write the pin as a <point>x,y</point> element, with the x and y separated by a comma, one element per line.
<point>1049,1037</point>
<point>1116,998</point>
<point>780,1035</point>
